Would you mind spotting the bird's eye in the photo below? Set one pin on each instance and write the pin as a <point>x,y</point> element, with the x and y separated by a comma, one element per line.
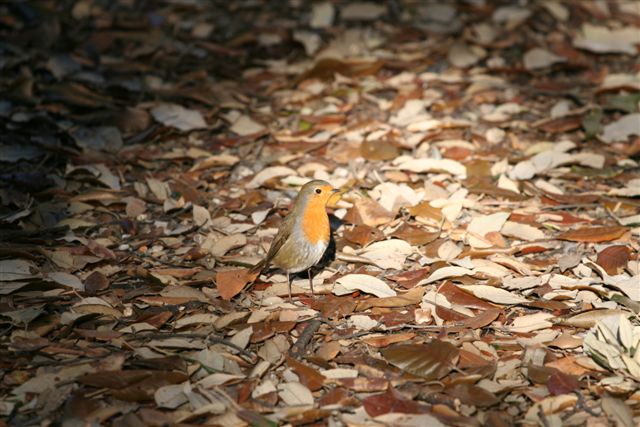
<point>318,190</point>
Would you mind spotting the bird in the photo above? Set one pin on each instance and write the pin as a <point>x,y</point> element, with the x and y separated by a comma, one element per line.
<point>303,236</point>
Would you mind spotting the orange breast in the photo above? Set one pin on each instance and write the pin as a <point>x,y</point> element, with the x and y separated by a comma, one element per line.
<point>315,222</point>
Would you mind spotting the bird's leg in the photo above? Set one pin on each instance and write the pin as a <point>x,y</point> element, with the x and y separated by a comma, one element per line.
<point>310,281</point>
<point>289,283</point>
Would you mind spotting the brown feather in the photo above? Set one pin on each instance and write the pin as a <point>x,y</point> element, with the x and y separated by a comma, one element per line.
<point>284,231</point>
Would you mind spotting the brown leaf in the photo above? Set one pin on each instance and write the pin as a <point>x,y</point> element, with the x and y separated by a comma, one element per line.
<point>456,153</point>
<point>480,320</point>
<point>115,379</point>
<point>470,394</point>
<point>379,150</point>
<point>413,296</point>
<point>337,307</point>
<point>99,250</point>
<point>424,209</point>
<point>363,235</point>
<point>145,389</point>
<point>231,282</point>
<point>478,169</point>
<point>593,234</point>
<point>561,124</point>
<point>362,384</point>
<point>416,236</point>
<point>328,351</point>
<point>179,273</point>
<point>368,212</point>
<point>309,376</point>
<point>455,295</point>
<point>300,419</point>
<point>337,396</point>
<point>613,259</point>
<point>470,360</point>
<point>539,374</point>
<point>392,401</point>
<point>561,383</point>
<point>98,309</point>
<point>432,361</point>
<point>95,282</point>
<point>325,69</point>
<point>408,279</point>
<point>98,335</point>
<point>570,365</point>
<point>386,340</point>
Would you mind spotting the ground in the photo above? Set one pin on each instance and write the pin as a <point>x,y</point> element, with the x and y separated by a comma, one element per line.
<point>484,261</point>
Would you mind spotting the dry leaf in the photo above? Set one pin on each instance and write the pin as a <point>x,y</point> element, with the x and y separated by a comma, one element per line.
<point>431,361</point>
<point>231,282</point>
<point>593,234</point>
<point>177,116</point>
<point>363,282</point>
<point>413,296</point>
<point>496,295</point>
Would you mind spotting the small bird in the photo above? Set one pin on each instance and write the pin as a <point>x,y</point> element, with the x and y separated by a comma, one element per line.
<point>304,234</point>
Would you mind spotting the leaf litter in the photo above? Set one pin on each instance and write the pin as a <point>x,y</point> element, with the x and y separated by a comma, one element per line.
<point>484,262</point>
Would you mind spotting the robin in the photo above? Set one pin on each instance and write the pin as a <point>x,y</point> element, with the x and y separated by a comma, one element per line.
<point>303,236</point>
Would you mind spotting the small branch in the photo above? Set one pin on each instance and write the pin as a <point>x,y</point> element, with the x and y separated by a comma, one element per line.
<point>299,348</point>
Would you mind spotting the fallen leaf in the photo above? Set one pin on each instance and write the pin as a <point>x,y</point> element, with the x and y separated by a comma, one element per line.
<point>269,173</point>
<point>613,258</point>
<point>445,273</point>
<point>295,394</point>
<point>600,39</point>
<point>430,165</point>
<point>309,377</point>
<point>618,410</point>
<point>174,115</point>
<point>230,282</point>
<point>245,125</point>
<point>587,319</point>
<point>470,394</point>
<point>560,383</point>
<point>392,402</point>
<point>17,269</point>
<point>413,296</point>
<point>382,341</point>
<point>481,225</point>
<point>363,282</point>
<point>593,234</point>
<point>496,295</point>
<point>431,361</point>
<point>621,129</point>
<point>369,212</point>
<point>388,254</point>
<point>537,58</point>
<point>416,236</point>
<point>363,234</point>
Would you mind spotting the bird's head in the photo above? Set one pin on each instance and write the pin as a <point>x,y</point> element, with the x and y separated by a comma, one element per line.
<point>317,192</point>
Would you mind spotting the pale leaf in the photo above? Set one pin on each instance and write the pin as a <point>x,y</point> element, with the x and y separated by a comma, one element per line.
<point>496,295</point>
<point>362,282</point>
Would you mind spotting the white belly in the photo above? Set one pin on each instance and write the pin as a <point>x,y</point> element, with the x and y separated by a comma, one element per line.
<point>300,259</point>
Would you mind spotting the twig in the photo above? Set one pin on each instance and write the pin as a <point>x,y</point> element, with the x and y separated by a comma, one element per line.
<point>299,348</point>
<point>543,417</point>
<point>573,206</point>
<point>582,404</point>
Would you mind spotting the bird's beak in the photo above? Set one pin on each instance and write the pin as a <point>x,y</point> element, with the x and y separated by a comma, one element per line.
<point>334,197</point>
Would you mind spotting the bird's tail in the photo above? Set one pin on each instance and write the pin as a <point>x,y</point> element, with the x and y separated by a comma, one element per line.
<point>257,269</point>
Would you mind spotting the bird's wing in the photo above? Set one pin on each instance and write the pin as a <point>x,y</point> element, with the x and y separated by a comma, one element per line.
<point>284,231</point>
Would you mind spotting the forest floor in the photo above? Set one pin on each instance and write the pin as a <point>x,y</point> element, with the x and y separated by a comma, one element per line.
<point>484,266</point>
